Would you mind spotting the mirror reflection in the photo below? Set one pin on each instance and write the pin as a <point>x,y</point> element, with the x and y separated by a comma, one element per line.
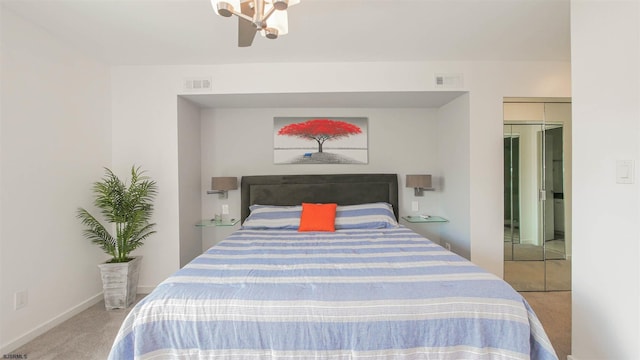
<point>535,246</point>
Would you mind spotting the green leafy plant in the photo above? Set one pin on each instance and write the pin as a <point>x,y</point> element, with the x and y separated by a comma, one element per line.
<point>128,208</point>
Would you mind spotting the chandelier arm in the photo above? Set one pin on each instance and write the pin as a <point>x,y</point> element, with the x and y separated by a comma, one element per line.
<point>258,7</point>
<point>243,16</point>
<point>268,14</point>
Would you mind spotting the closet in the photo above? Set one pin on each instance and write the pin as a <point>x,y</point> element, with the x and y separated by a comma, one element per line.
<point>537,193</point>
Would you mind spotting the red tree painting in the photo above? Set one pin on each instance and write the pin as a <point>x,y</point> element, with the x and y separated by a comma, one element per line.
<point>320,130</point>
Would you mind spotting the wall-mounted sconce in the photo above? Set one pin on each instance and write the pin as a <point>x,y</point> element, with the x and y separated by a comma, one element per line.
<point>419,183</point>
<point>221,185</point>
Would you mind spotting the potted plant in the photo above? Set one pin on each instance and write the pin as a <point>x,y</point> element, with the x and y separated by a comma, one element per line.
<point>127,209</point>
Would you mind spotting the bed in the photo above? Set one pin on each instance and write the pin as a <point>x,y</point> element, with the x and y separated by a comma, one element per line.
<point>369,289</point>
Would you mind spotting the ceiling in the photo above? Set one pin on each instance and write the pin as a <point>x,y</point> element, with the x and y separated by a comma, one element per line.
<point>181,32</point>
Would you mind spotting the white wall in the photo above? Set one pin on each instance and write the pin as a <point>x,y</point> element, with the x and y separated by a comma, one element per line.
<point>605,50</point>
<point>56,137</point>
<point>145,133</point>
<point>454,155</point>
<point>238,142</point>
<point>189,166</point>
<point>489,81</point>
<point>145,98</point>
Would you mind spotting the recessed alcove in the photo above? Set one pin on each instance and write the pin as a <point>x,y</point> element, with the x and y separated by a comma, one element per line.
<point>409,132</point>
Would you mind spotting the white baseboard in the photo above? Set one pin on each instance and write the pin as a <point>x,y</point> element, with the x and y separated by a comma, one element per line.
<point>571,357</point>
<point>25,338</point>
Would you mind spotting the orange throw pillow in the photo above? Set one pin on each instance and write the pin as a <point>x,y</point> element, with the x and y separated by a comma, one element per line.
<point>318,217</point>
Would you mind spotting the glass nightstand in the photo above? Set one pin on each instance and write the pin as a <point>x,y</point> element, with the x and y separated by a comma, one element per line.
<point>424,219</point>
<point>211,222</point>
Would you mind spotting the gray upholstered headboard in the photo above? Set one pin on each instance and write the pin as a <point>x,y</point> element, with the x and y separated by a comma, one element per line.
<point>343,189</point>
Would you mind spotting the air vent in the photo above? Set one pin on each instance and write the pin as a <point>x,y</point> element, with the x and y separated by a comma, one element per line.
<point>197,84</point>
<point>448,81</point>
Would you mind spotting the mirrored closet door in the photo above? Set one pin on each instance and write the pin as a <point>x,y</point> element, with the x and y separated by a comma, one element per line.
<point>536,251</point>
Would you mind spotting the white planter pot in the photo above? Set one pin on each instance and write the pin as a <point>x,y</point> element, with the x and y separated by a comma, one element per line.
<point>120,283</point>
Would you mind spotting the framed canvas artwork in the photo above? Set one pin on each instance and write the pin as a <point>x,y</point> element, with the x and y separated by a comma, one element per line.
<point>320,140</point>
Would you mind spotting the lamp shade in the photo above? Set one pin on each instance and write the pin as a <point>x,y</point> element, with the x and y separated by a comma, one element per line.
<point>224,183</point>
<point>419,181</point>
<point>279,20</point>
<point>235,4</point>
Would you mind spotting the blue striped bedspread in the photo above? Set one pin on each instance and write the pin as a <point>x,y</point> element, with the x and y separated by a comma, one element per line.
<point>352,294</point>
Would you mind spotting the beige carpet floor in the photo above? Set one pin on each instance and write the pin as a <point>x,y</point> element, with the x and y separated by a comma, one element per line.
<point>554,311</point>
<point>86,336</point>
<point>89,335</point>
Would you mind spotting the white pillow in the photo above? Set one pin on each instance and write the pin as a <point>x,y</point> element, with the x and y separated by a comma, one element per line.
<point>273,217</point>
<point>366,216</point>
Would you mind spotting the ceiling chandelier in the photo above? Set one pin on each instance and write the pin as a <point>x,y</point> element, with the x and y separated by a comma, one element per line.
<point>269,17</point>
